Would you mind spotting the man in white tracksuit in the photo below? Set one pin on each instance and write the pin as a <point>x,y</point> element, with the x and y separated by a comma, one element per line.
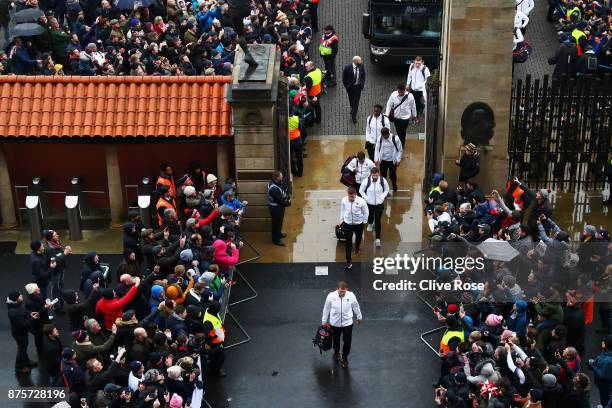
<point>340,307</point>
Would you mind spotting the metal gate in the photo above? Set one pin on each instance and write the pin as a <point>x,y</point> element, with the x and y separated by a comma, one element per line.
<point>560,132</point>
<point>282,129</point>
<point>431,133</point>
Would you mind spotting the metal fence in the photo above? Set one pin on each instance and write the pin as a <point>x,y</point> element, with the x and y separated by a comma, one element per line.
<point>560,132</point>
<point>431,129</point>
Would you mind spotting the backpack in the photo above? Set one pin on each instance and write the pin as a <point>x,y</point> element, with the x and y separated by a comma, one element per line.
<point>322,339</point>
<point>392,139</point>
<point>422,71</point>
<point>382,122</point>
<point>522,53</point>
<point>370,182</point>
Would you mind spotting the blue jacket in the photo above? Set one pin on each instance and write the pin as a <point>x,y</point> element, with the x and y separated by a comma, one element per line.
<point>518,323</point>
<point>602,368</point>
<point>23,63</point>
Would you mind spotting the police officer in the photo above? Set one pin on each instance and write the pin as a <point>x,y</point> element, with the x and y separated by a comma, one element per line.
<point>278,199</point>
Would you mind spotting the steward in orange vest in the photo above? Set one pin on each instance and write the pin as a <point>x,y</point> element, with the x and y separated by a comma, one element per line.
<point>166,201</point>
<point>165,178</point>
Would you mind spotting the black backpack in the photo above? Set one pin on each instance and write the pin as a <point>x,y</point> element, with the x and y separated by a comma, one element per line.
<point>370,182</point>
<point>322,339</point>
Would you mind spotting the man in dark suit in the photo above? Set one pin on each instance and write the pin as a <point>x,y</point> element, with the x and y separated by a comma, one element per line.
<point>353,78</point>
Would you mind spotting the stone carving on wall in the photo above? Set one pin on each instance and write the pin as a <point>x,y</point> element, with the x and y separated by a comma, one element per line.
<point>477,124</point>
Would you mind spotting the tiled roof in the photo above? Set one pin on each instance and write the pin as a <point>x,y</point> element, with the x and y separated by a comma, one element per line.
<point>147,106</point>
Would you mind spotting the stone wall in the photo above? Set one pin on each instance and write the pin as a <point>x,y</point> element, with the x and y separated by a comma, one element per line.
<point>476,67</point>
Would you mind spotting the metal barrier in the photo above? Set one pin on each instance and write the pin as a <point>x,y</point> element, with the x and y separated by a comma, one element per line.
<point>225,300</point>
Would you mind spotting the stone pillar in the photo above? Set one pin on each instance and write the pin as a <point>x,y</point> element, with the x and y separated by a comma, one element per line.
<point>7,204</point>
<point>223,165</point>
<point>115,191</point>
<point>252,96</point>
<point>476,70</point>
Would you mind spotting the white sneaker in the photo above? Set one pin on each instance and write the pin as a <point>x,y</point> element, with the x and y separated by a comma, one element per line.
<point>377,243</point>
<point>370,227</point>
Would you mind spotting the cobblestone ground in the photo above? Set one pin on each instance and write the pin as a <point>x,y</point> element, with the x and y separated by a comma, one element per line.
<point>542,36</point>
<point>345,16</point>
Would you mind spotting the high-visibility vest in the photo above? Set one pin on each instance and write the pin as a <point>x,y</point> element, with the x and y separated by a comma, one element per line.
<point>577,35</point>
<point>448,335</point>
<point>437,189</point>
<point>217,334</point>
<point>166,204</point>
<point>294,127</point>
<point>316,76</point>
<point>571,11</point>
<point>517,195</point>
<point>167,182</point>
<point>325,47</point>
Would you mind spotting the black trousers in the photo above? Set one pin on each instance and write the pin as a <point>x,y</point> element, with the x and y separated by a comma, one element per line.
<point>351,229</point>
<point>314,16</point>
<point>418,100</point>
<point>297,159</point>
<point>370,149</point>
<point>347,334</point>
<point>354,94</point>
<point>21,359</point>
<point>330,69</point>
<point>376,212</point>
<point>389,167</point>
<point>317,110</point>
<point>216,358</point>
<point>400,127</point>
<point>277,214</point>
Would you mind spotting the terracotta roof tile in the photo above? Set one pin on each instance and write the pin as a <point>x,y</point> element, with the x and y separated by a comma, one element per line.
<point>42,106</point>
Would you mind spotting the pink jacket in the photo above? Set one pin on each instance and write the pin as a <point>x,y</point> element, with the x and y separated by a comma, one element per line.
<point>222,259</point>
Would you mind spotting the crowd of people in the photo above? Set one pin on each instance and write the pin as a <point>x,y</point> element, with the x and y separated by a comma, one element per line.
<point>173,37</point>
<point>145,330</point>
<point>584,28</point>
<point>519,340</point>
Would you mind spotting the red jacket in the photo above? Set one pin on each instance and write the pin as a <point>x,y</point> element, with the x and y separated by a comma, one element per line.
<point>211,217</point>
<point>112,309</point>
<point>222,259</point>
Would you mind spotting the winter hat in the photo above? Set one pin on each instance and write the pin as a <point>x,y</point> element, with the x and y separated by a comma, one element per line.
<point>507,334</point>
<point>128,315</point>
<point>267,38</point>
<point>35,246</point>
<point>210,178</point>
<point>135,366</point>
<point>79,335</point>
<point>151,376</point>
<point>157,250</point>
<point>31,288</point>
<point>134,22</point>
<point>174,372</point>
<point>207,277</point>
<point>493,320</point>
<point>13,296</point>
<point>536,394</point>
<point>67,353</point>
<point>155,357</point>
<point>544,193</point>
<point>110,388</point>
<point>186,255</point>
<point>565,37</point>
<point>549,380</point>
<point>69,297</point>
<point>173,291</point>
<point>176,401</point>
<point>189,190</point>
<point>156,291</point>
<point>452,308</point>
<point>591,230</point>
<point>48,234</point>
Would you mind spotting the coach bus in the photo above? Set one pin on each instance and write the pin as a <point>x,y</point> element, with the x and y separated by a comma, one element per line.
<point>399,30</point>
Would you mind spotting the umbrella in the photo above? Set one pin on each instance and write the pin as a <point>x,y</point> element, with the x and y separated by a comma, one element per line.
<point>29,15</point>
<point>27,30</point>
<point>496,250</point>
<point>129,4</point>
